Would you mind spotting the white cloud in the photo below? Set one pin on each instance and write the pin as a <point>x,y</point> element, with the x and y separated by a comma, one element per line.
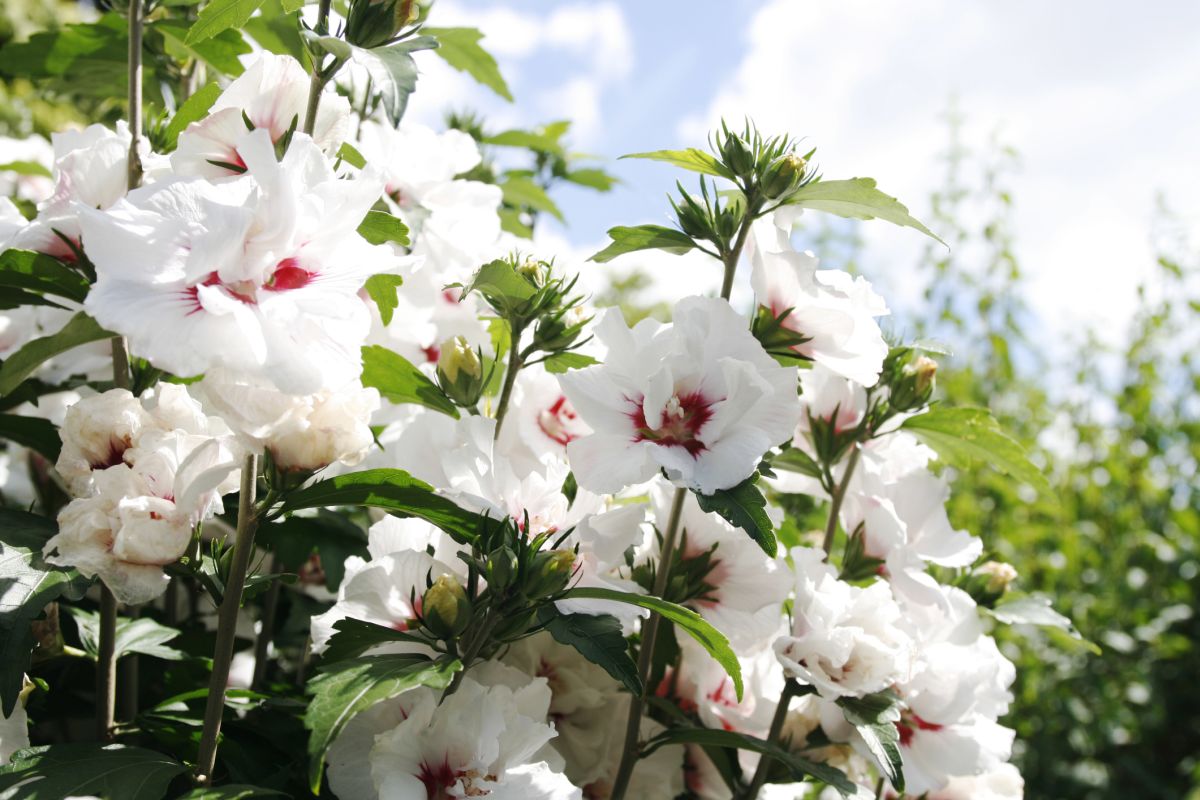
<point>1093,95</point>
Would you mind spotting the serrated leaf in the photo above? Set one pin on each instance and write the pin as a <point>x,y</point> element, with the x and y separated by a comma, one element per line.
<point>399,381</point>
<point>382,289</point>
<point>36,433</point>
<point>380,227</point>
<point>562,362</point>
<point>353,637</point>
<point>460,49</point>
<point>1023,609</point>
<point>592,178</point>
<point>80,329</point>
<point>194,109</point>
<point>72,770</point>
<point>644,237</point>
<point>745,507</point>
<point>689,159</point>
<point>796,460</point>
<point>523,192</point>
<point>351,156</point>
<point>857,198</point>
<point>964,436</point>
<point>141,635</point>
<point>29,584</point>
<point>220,15</point>
<point>799,766</point>
<point>392,490</point>
<point>875,717</point>
<point>711,639</point>
<point>345,689</point>
<point>393,72</point>
<point>598,638</point>
<point>278,31</point>
<point>37,272</point>
<point>219,51</point>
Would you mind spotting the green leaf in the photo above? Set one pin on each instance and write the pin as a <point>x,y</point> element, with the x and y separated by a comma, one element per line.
<point>1023,609</point>
<point>345,689</point>
<point>964,436</point>
<point>141,635</point>
<point>524,193</point>
<point>598,638</point>
<point>875,716</point>
<point>36,433</point>
<point>354,637</point>
<point>743,507</point>
<point>382,289</point>
<point>380,227</point>
<point>27,585</point>
<point>81,329</point>
<point>334,537</point>
<point>392,490</point>
<point>644,237</point>
<point>400,382</point>
<point>690,159</point>
<point>795,460</point>
<point>856,198</point>
<point>799,766</point>
<point>232,791</point>
<point>562,362</point>
<point>500,284</point>
<point>543,139</point>
<point>194,109</point>
<point>32,168</point>
<point>220,15</point>
<point>351,156</point>
<point>15,298</point>
<point>460,49</point>
<point>393,72</point>
<point>592,178</point>
<point>26,269</point>
<point>71,770</point>
<point>79,60</point>
<point>279,32</point>
<point>696,626</point>
<point>220,51</point>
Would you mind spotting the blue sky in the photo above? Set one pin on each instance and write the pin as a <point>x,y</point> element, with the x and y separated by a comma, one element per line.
<point>1098,97</point>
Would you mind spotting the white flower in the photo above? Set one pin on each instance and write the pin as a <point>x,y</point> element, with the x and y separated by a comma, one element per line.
<point>845,640</point>
<point>14,729</point>
<point>417,160</point>
<point>32,149</point>
<point>703,686</point>
<point>834,311</point>
<point>745,587</point>
<point>541,421</point>
<point>1003,782</point>
<point>480,741</point>
<point>658,776</point>
<point>259,275</point>
<point>699,399</point>
<point>273,94</point>
<point>301,432</point>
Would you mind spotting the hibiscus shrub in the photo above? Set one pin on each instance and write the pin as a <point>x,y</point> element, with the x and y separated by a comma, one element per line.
<point>321,479</point>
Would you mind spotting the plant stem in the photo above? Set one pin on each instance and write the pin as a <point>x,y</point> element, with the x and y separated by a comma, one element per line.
<point>472,652</point>
<point>735,254</point>
<point>839,494</point>
<point>227,622</point>
<point>510,378</point>
<point>106,666</point>
<point>128,673</point>
<point>637,705</point>
<point>317,83</point>
<point>134,174</point>
<point>262,643</point>
<point>790,689</point>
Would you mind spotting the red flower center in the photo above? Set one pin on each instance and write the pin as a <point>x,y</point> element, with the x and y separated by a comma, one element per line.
<point>437,779</point>
<point>560,422</point>
<point>288,275</point>
<point>682,420</point>
<point>910,724</point>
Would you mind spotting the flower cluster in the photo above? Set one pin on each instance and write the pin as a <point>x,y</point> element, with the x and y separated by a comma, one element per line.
<point>539,553</point>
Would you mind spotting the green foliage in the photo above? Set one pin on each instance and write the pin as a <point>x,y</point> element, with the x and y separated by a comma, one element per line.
<point>691,159</point>
<point>380,227</point>
<point>962,436</point>
<point>875,717</point>
<point>598,638</point>
<point>460,48</point>
<point>856,198</point>
<point>38,434</point>
<point>221,15</point>
<point>399,381</point>
<point>80,329</point>
<point>70,770</point>
<point>393,72</point>
<point>194,109</point>
<point>384,290</point>
<point>745,507</point>
<point>644,237</point>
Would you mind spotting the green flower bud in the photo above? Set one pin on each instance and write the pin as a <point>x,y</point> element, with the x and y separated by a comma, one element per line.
<point>551,572</point>
<point>912,387</point>
<point>460,372</point>
<point>560,331</point>
<point>782,176</point>
<point>534,271</point>
<point>501,568</point>
<point>998,576</point>
<point>737,155</point>
<point>693,221</point>
<point>446,608</point>
<point>372,23</point>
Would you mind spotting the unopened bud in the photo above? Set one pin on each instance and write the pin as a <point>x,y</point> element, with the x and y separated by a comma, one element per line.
<point>445,607</point>
<point>551,572</point>
<point>460,372</point>
<point>534,271</point>
<point>501,568</point>
<point>373,23</point>
<point>998,576</point>
<point>737,155</point>
<point>912,384</point>
<point>558,332</point>
<point>783,175</point>
<point>693,221</point>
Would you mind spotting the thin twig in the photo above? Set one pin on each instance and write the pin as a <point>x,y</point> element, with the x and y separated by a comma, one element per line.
<point>839,494</point>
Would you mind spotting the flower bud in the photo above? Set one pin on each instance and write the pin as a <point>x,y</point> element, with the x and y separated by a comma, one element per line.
<point>551,572</point>
<point>783,175</point>
<point>501,568</point>
<point>693,221</point>
<point>372,23</point>
<point>998,576</point>
<point>446,608</point>
<point>460,372</point>
<point>737,155</point>
<point>912,387</point>
<point>560,331</point>
<point>534,271</point>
